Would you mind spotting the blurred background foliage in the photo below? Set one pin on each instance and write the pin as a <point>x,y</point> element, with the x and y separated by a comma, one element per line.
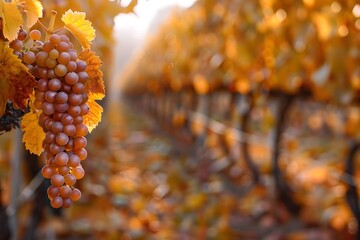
<point>236,120</point>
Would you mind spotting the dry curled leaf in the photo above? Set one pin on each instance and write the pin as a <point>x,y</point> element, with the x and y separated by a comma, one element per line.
<point>16,83</point>
<point>81,28</point>
<point>95,85</point>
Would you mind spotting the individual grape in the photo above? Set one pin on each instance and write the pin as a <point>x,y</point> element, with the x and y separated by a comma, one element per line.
<point>42,72</point>
<point>56,202</point>
<point>71,78</point>
<point>47,171</point>
<point>50,137</point>
<point>79,143</point>
<point>74,161</point>
<point>78,172</point>
<point>84,109</point>
<point>48,123</point>
<point>81,130</point>
<point>67,119</point>
<point>64,58</point>
<point>73,55</point>
<point>17,45</point>
<point>78,88</point>
<point>66,88</point>
<point>70,179</point>
<point>62,47</point>
<point>74,110</point>
<point>83,76</point>
<point>71,66</point>
<point>48,46</point>
<point>61,97</point>
<point>62,139</point>
<point>41,58</point>
<point>54,54</point>
<point>22,35</point>
<point>35,34</point>
<point>57,180</point>
<point>60,70</point>
<point>75,194</point>
<point>64,170</point>
<point>81,153</point>
<point>65,191</point>
<point>61,159</point>
<point>50,96</point>
<point>61,107</point>
<point>51,63</point>
<point>57,116</point>
<point>70,130</point>
<point>42,85</point>
<point>66,203</point>
<point>54,85</point>
<point>55,39</point>
<point>81,65</point>
<point>64,38</point>
<point>53,191</point>
<point>51,74</point>
<point>29,57</point>
<point>57,127</point>
<point>55,149</point>
<point>48,108</point>
<point>78,120</point>
<point>75,99</point>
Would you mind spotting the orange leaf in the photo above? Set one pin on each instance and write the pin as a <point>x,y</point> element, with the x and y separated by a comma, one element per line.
<point>12,19</point>
<point>95,85</point>
<point>92,119</point>
<point>33,133</point>
<point>81,28</point>
<point>16,83</point>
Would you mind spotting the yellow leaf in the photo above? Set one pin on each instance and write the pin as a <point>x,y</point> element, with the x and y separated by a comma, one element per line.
<point>33,133</point>
<point>16,83</point>
<point>81,28</point>
<point>32,9</point>
<point>12,19</point>
<point>92,119</point>
<point>95,85</point>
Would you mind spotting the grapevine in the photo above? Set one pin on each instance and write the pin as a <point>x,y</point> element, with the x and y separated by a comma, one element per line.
<point>59,90</point>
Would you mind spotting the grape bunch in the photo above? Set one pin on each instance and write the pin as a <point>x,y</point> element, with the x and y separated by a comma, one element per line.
<point>60,94</point>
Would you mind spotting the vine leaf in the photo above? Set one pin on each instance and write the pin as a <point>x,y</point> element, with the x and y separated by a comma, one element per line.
<point>92,119</point>
<point>95,85</point>
<point>16,83</point>
<point>81,28</point>
<point>32,10</point>
<point>12,19</point>
<point>33,133</point>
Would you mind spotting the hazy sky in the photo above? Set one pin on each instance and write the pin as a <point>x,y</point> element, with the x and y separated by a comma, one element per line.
<point>131,29</point>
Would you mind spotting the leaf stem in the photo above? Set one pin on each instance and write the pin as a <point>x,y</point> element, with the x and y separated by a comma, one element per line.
<point>50,29</point>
